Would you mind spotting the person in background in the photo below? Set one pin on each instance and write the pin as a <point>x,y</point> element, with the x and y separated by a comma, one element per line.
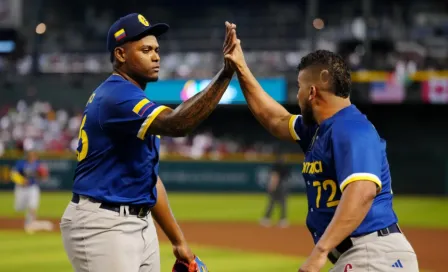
<point>26,175</point>
<point>277,191</point>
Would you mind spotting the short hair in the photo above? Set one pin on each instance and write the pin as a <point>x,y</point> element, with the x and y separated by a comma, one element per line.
<point>336,66</point>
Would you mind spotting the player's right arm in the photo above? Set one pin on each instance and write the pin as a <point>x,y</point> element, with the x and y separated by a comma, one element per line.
<point>16,174</point>
<point>126,110</point>
<point>161,120</point>
<point>188,115</point>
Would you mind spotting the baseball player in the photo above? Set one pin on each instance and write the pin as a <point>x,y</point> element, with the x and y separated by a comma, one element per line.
<point>347,176</point>
<point>277,192</point>
<point>26,174</point>
<point>107,226</point>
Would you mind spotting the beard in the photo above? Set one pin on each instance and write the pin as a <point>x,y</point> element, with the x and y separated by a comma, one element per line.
<point>152,76</point>
<point>308,116</point>
<point>149,77</point>
<point>142,79</point>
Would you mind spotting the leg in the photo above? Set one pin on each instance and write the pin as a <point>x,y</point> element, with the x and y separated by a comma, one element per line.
<point>33,206</point>
<point>151,262</point>
<point>391,252</point>
<point>269,210</point>
<point>65,226</point>
<point>282,201</point>
<point>33,202</point>
<point>98,240</point>
<point>20,195</point>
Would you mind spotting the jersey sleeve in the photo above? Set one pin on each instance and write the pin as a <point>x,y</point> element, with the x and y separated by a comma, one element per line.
<point>17,173</point>
<point>128,111</point>
<point>300,132</point>
<point>357,153</point>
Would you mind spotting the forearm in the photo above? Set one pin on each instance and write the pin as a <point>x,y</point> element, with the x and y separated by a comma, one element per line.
<point>262,105</point>
<point>17,178</point>
<point>164,217</point>
<point>188,115</point>
<point>351,211</point>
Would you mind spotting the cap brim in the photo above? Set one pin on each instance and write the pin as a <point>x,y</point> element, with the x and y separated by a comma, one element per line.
<point>156,30</point>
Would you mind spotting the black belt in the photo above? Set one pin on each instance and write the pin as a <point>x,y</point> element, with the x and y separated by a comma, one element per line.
<point>347,243</point>
<point>138,210</point>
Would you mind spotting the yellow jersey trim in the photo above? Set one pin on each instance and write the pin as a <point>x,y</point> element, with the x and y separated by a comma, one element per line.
<point>148,121</point>
<point>292,122</point>
<point>361,176</point>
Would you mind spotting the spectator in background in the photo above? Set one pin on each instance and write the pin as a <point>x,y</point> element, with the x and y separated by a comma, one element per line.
<point>277,191</point>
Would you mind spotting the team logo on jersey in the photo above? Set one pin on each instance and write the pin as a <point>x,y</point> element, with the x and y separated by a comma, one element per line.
<point>143,20</point>
<point>348,267</point>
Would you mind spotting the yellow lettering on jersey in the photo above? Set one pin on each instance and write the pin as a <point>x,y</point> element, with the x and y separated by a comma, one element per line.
<point>327,185</point>
<point>81,155</point>
<point>312,167</point>
<point>90,99</point>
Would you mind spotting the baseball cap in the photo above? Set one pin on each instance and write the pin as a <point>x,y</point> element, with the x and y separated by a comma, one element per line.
<point>132,27</point>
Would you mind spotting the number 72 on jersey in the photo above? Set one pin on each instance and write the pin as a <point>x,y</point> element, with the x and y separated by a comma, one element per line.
<point>326,185</point>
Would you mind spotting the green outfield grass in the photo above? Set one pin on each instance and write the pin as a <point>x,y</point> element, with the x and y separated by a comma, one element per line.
<point>412,211</point>
<point>44,252</point>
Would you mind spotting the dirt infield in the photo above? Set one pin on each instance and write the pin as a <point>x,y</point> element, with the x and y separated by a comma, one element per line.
<point>293,241</point>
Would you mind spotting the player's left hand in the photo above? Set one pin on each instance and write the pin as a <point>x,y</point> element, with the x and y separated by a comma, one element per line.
<point>183,253</point>
<point>197,265</point>
<point>315,261</point>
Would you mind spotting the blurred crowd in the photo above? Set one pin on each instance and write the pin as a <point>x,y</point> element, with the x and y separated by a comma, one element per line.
<point>392,35</point>
<point>274,34</point>
<point>38,126</point>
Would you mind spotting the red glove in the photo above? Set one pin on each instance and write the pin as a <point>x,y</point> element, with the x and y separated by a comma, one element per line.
<point>194,266</point>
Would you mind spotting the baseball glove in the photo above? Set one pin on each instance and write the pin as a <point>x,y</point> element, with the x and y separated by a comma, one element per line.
<point>194,266</point>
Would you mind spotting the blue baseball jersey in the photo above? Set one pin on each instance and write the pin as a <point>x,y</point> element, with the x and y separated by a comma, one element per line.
<point>343,149</point>
<point>118,161</point>
<point>27,170</point>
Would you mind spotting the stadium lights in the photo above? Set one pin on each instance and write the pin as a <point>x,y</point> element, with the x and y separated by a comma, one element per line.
<point>318,23</point>
<point>41,28</point>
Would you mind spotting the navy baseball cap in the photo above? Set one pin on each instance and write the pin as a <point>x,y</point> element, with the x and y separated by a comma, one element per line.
<point>132,27</point>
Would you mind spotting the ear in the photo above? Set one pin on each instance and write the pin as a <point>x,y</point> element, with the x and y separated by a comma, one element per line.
<point>119,54</point>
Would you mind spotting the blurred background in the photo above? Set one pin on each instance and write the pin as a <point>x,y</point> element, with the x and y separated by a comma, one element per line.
<point>53,55</point>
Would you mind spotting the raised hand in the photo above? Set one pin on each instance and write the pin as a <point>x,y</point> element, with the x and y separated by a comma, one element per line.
<point>234,53</point>
<point>230,43</point>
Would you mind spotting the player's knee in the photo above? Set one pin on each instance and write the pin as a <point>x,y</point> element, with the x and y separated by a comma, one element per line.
<point>19,207</point>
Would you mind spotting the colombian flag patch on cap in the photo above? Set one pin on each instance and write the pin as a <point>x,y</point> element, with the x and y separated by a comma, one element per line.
<point>120,34</point>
